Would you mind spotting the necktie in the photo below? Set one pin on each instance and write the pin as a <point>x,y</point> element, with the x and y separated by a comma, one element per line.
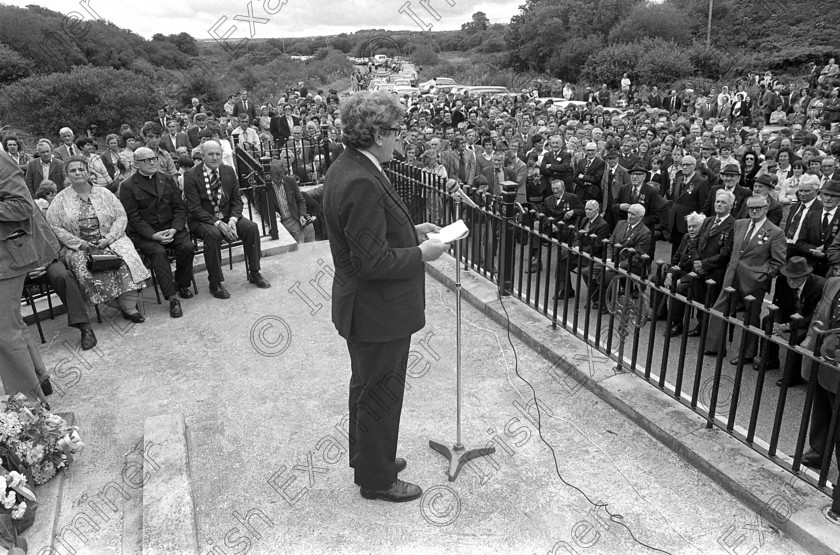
<point>462,169</point>
<point>825,222</point>
<point>635,194</point>
<point>215,192</point>
<point>588,163</point>
<point>748,236</point>
<point>794,222</point>
<point>717,223</point>
<point>627,233</point>
<point>72,150</point>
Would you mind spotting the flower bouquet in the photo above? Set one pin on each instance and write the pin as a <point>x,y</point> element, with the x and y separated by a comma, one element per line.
<point>33,441</point>
<point>17,510</point>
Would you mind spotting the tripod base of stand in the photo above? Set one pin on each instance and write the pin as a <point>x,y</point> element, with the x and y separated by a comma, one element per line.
<point>458,456</point>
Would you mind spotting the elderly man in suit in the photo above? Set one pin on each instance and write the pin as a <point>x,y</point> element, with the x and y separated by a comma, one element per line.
<point>591,230</point>
<point>714,249</point>
<point>637,192</point>
<point>194,132</point>
<point>820,229</point>
<point>45,166</point>
<point>631,233</point>
<point>615,177</point>
<point>378,288</point>
<point>682,264</point>
<point>827,316</point>
<point>173,138</point>
<point>215,206</point>
<point>567,210</point>
<point>589,172</point>
<point>290,204</point>
<point>459,162</point>
<point>730,175</point>
<point>67,149</point>
<point>689,193</point>
<point>764,184</point>
<point>808,203</point>
<point>758,253</point>
<point>709,165</point>
<point>157,218</point>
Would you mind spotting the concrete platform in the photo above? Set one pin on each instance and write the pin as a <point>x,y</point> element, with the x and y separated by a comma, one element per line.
<point>261,380</point>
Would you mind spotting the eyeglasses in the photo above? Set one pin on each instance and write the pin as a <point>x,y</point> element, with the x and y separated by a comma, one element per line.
<point>687,163</point>
<point>756,208</point>
<point>393,129</point>
<point>146,159</point>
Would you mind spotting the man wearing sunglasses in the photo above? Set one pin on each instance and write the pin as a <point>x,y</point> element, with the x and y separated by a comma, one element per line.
<point>759,250</point>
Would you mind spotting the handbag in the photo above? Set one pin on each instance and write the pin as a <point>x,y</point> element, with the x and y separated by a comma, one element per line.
<point>103,260</point>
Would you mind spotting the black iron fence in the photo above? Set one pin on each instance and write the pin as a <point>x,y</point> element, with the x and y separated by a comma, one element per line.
<point>628,314</point>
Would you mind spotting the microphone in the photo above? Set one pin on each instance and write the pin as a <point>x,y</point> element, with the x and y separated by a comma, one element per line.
<point>454,189</point>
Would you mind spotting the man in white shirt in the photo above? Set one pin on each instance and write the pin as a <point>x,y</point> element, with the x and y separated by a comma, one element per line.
<point>245,136</point>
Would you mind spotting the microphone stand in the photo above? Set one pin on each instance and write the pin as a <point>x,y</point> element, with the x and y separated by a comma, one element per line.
<point>457,454</point>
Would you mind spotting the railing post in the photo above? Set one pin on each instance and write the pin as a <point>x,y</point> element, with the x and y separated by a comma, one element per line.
<point>270,199</point>
<point>506,257</point>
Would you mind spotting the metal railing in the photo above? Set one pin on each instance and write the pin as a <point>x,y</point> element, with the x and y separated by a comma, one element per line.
<point>621,313</point>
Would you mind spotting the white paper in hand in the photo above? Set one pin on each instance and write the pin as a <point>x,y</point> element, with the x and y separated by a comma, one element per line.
<point>452,232</point>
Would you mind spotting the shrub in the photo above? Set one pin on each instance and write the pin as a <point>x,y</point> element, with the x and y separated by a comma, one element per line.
<point>662,62</point>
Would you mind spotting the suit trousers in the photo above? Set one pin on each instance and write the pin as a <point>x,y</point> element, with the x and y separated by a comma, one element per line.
<point>676,239</point>
<point>20,360</point>
<point>248,232</point>
<point>158,257</point>
<point>717,327</point>
<point>66,286</point>
<point>377,385</point>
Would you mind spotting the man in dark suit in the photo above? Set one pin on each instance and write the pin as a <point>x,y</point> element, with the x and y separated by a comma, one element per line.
<point>758,253</point>
<point>828,387</point>
<point>820,229</point>
<point>637,192</point>
<point>800,210</point>
<point>655,98</point>
<point>556,164</point>
<point>157,218</point>
<point>689,193</point>
<point>803,295</point>
<point>730,175</point>
<point>290,204</point>
<point>615,177</point>
<point>589,172</point>
<point>378,288</point>
<point>194,133</point>
<point>282,124</point>
<point>173,138</point>
<point>673,103</point>
<point>709,165</point>
<point>245,106</point>
<point>44,167</point>
<point>301,147</point>
<point>714,248</point>
<point>591,224</point>
<point>765,183</point>
<point>628,234</point>
<point>682,264</point>
<point>215,206</point>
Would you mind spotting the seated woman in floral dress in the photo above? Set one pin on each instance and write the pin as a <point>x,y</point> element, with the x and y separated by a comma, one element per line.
<point>86,217</point>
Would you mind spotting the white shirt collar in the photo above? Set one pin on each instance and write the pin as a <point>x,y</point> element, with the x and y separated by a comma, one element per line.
<point>372,158</point>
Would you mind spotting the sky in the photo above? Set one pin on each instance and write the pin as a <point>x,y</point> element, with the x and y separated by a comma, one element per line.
<point>278,18</point>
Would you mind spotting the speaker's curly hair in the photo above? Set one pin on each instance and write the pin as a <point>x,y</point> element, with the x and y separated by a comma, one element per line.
<point>365,112</point>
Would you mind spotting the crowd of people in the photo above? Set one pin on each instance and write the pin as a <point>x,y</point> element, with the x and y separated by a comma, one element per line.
<point>741,181</point>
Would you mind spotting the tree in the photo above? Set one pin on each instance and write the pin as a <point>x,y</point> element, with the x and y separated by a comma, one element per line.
<point>13,66</point>
<point>479,22</point>
<point>425,56</point>
<point>651,21</point>
<point>86,96</point>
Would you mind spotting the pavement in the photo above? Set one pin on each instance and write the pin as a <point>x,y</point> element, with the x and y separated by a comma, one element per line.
<point>260,383</point>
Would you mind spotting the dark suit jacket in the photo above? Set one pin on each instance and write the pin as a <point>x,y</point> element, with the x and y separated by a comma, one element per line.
<point>152,206</point>
<point>711,171</point>
<point>806,305</point>
<point>812,237</point>
<point>684,257</point>
<point>648,197</point>
<point>715,248</point>
<point>828,377</point>
<point>588,187</point>
<point>239,108</point>
<point>556,167</point>
<point>198,203</point>
<point>568,201</point>
<point>279,127</point>
<point>34,175</point>
<point>609,191</point>
<point>816,206</point>
<point>685,202</point>
<point>297,204</point>
<point>598,227</point>
<point>181,139</point>
<point>378,288</point>
<point>192,136</point>
<point>741,196</point>
<point>672,103</point>
<point>639,239</point>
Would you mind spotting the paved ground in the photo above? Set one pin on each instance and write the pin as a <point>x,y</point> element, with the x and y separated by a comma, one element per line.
<point>262,378</point>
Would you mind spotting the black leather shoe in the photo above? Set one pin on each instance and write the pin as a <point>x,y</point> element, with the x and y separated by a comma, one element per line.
<point>219,291</point>
<point>812,459</point>
<point>175,308</point>
<point>88,339</point>
<point>709,353</point>
<point>695,332</point>
<point>676,331</point>
<point>793,382</point>
<point>535,266</point>
<point>46,386</point>
<point>398,492</point>
<point>135,317</point>
<point>257,279</point>
<point>185,293</point>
